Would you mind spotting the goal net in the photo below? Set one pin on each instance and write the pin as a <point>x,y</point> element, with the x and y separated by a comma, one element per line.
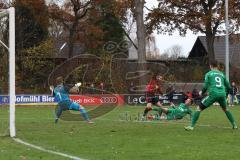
<point>8,15</point>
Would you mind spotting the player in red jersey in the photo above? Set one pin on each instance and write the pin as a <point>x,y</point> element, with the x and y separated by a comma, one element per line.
<point>153,88</point>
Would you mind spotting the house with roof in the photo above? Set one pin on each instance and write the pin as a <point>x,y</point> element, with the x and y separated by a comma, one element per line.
<point>199,49</point>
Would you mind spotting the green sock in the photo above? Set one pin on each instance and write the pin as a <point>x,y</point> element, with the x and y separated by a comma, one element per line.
<point>230,117</point>
<point>195,118</point>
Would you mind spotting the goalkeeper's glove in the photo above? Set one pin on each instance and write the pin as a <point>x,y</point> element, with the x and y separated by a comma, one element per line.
<point>78,84</point>
<point>51,88</point>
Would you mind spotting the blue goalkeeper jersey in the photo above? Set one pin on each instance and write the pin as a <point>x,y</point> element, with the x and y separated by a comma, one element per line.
<point>61,94</point>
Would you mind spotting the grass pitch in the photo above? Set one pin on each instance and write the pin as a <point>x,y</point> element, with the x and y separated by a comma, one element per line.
<point>113,138</point>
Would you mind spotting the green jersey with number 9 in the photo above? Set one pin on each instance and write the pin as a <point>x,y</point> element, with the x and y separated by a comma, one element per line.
<point>216,83</point>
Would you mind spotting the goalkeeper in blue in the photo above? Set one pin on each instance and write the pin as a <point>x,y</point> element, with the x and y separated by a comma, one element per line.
<point>61,94</point>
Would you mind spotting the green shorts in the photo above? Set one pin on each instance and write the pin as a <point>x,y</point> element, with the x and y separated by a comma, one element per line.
<point>209,100</point>
<point>173,114</point>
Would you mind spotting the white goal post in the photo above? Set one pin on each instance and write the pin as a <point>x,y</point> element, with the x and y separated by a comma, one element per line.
<point>11,49</point>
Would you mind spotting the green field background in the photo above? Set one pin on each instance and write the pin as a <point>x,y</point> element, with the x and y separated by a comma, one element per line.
<point>111,137</point>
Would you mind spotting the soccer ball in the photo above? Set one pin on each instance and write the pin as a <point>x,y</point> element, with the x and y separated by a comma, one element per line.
<point>78,84</point>
<point>74,89</point>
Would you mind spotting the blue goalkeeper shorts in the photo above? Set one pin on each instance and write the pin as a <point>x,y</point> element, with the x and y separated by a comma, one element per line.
<point>75,106</point>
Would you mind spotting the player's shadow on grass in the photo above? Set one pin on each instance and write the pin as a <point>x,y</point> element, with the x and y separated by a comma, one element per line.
<point>95,113</point>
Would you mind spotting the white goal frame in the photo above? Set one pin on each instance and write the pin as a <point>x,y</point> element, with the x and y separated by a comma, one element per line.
<point>11,49</point>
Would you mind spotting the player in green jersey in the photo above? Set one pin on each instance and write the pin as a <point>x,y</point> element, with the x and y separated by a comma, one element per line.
<point>176,113</point>
<point>218,87</point>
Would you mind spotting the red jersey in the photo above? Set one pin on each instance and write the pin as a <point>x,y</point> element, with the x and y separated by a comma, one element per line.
<point>151,86</point>
<point>189,95</point>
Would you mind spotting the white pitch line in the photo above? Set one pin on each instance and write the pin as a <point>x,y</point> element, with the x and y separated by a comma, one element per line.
<point>163,122</point>
<point>46,150</point>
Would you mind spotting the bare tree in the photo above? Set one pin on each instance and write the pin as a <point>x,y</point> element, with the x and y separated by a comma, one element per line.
<point>55,29</point>
<point>141,32</point>
<point>141,37</point>
<point>70,15</point>
<point>205,16</point>
<point>174,52</point>
<point>151,47</point>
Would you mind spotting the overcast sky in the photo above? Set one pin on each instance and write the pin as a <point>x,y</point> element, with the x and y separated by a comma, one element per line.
<point>165,41</point>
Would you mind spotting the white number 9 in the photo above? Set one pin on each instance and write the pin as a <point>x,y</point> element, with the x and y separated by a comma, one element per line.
<point>218,81</point>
